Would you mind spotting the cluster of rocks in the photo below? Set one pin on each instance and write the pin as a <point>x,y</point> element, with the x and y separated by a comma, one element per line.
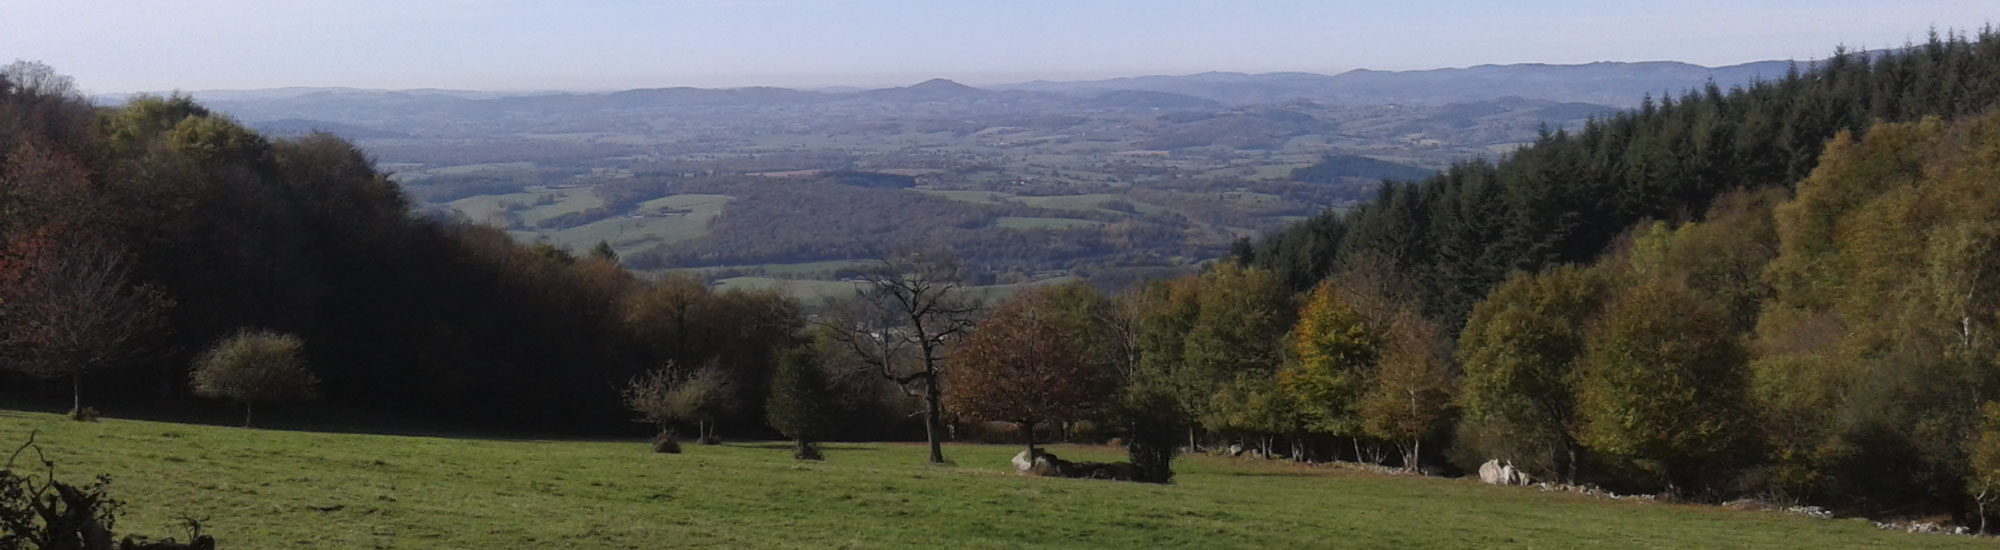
<point>1762,506</point>
<point>1924,527</point>
<point>1590,490</point>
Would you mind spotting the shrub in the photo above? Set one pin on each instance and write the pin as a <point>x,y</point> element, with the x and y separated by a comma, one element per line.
<point>254,366</point>
<point>800,404</point>
<point>39,511</point>
<point>665,443</point>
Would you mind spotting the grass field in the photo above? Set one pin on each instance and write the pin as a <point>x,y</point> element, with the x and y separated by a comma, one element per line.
<point>1012,222</point>
<point>278,489</point>
<point>629,235</point>
<point>806,290</point>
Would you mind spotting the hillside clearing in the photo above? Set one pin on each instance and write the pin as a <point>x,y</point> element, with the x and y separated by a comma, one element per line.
<point>273,489</point>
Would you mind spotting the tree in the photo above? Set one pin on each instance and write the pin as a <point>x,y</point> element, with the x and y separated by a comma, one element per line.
<point>1025,364</point>
<point>672,394</point>
<point>1252,405</point>
<point>649,395</point>
<point>1520,351</point>
<point>702,397</point>
<point>1662,384</point>
<point>603,251</point>
<point>67,309</point>
<point>1199,333</point>
<point>1409,397</point>
<point>800,406</point>
<point>252,367</point>
<point>1334,349</point>
<point>912,303</point>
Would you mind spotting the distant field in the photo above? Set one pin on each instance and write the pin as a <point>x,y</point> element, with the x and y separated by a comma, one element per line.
<point>790,269</point>
<point>627,234</point>
<point>278,489</point>
<point>1011,222</point>
<point>809,291</point>
<point>535,206</point>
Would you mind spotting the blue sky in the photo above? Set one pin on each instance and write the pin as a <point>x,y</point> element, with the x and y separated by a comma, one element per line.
<point>140,45</point>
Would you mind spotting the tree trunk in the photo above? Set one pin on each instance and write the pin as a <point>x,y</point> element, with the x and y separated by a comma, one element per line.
<point>246,414</point>
<point>1028,429</point>
<point>932,416</point>
<point>1191,445</point>
<point>76,393</point>
<point>1358,457</point>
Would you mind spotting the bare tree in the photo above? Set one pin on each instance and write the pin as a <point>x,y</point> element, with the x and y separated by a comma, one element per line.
<point>67,309</point>
<point>907,311</point>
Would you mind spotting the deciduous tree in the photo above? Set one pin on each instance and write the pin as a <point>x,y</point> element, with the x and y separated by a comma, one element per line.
<point>67,309</point>
<point>1030,362</point>
<point>254,366</point>
<point>908,310</point>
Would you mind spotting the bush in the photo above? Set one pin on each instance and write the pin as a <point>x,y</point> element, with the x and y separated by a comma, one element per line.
<point>39,511</point>
<point>807,450</point>
<point>1153,434</point>
<point>87,414</point>
<point>665,443</point>
<point>254,366</point>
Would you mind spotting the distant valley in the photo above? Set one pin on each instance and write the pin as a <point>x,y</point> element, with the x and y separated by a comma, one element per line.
<point>1111,180</point>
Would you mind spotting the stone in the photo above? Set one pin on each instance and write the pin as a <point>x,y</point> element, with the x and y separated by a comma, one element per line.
<point>1497,472</point>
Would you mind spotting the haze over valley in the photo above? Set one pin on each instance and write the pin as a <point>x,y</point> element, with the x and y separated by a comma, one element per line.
<point>1109,180</point>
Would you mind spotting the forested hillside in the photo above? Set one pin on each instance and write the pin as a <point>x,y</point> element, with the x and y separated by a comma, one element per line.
<point>1785,291</point>
<point>132,238</point>
<point>1563,198</point>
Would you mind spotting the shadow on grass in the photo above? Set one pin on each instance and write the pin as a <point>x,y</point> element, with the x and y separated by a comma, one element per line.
<point>1275,474</point>
<point>787,445</point>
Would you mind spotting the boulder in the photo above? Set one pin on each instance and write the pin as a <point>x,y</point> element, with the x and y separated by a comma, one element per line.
<point>1235,450</point>
<point>1498,472</point>
<point>1022,463</point>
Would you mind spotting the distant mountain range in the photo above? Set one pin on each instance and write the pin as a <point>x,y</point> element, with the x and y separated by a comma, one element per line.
<point>1617,84</point>
<point>1607,83</point>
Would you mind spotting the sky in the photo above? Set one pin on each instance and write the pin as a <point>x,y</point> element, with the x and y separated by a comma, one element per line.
<point>115,46</point>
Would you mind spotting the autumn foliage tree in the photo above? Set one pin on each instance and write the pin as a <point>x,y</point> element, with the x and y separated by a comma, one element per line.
<point>67,309</point>
<point>1030,363</point>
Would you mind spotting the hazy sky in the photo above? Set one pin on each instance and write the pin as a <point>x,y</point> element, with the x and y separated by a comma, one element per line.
<point>133,45</point>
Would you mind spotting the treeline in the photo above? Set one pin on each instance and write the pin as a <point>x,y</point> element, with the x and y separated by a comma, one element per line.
<point>1566,196</point>
<point>812,219</point>
<point>133,238</point>
<point>1835,345</point>
<point>1337,168</point>
<point>1768,293</point>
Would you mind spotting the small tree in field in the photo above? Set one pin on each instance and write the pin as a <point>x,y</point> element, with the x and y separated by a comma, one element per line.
<point>666,395</point>
<point>799,402</point>
<point>254,366</point>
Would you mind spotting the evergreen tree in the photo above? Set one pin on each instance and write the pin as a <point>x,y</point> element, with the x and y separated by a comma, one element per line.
<point>800,406</point>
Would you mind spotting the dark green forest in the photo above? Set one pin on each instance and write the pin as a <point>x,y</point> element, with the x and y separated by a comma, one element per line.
<point>1564,198</point>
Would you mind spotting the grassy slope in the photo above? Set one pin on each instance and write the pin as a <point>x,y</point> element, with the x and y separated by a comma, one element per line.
<point>271,489</point>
